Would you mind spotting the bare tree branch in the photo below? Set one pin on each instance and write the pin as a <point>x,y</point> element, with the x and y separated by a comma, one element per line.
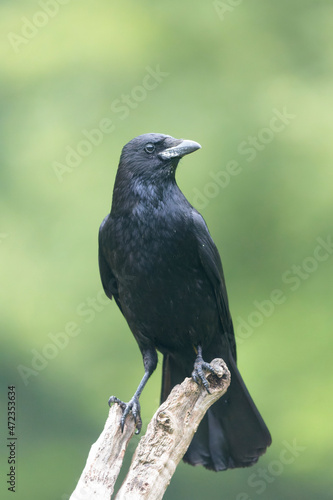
<point>169,435</point>
<point>105,459</point>
<point>159,451</point>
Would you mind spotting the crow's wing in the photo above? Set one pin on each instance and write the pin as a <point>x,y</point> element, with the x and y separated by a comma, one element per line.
<point>211,263</point>
<point>108,279</point>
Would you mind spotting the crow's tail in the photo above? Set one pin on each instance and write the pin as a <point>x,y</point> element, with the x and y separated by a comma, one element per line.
<point>232,433</point>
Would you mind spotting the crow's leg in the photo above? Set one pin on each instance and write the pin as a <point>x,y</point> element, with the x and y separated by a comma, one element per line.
<point>149,361</point>
<point>198,372</point>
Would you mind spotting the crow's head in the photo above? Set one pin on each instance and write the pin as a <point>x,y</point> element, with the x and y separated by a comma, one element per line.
<point>153,156</point>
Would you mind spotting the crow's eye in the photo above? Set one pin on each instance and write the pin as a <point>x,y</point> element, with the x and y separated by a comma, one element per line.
<point>149,148</point>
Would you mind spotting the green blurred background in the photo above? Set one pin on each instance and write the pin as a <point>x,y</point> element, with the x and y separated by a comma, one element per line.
<point>264,187</point>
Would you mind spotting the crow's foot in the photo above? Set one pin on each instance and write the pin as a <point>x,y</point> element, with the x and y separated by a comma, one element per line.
<point>134,406</point>
<point>198,373</point>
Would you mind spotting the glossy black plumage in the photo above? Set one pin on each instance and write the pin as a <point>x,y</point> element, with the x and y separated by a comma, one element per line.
<point>159,262</point>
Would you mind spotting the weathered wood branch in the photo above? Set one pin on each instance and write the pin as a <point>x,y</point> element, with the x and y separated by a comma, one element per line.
<point>159,451</point>
<point>105,459</point>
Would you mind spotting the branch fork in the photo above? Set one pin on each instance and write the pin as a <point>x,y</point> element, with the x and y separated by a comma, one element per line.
<point>159,451</point>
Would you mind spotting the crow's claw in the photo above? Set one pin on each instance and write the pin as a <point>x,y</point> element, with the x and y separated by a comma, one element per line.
<point>198,373</point>
<point>113,399</point>
<point>134,406</point>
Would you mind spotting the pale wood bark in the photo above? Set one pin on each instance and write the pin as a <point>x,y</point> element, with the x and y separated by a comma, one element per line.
<point>159,451</point>
<point>105,459</point>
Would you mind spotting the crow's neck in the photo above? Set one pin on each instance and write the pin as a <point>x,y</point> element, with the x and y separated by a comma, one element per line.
<point>140,194</point>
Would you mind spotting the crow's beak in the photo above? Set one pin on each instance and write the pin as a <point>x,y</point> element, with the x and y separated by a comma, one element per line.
<point>184,147</point>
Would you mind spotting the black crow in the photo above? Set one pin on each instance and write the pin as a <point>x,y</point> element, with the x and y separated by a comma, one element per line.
<point>160,264</point>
